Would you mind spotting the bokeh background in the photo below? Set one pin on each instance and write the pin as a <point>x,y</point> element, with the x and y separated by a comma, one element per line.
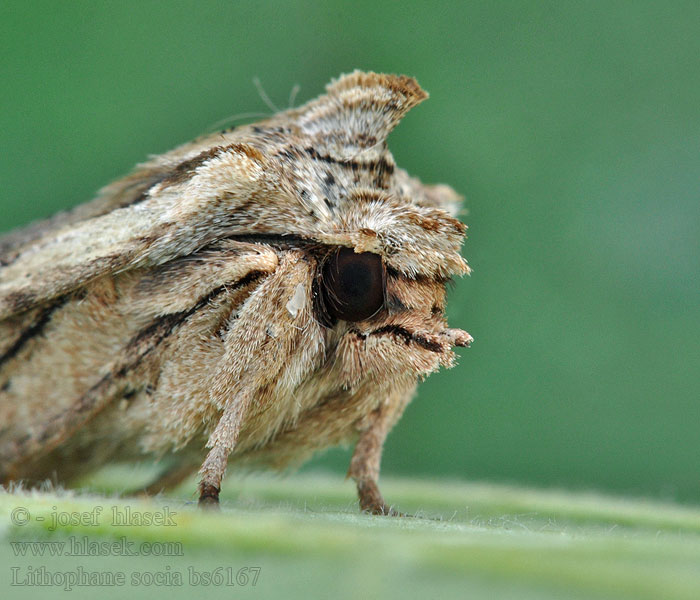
<point>572,129</point>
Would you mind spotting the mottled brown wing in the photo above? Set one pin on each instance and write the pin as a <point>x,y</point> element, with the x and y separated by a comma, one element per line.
<point>150,217</point>
<point>266,178</point>
<point>64,363</point>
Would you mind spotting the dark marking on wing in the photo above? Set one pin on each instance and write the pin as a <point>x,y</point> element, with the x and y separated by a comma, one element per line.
<point>57,427</point>
<point>161,328</point>
<point>382,167</point>
<point>35,329</point>
<point>186,169</point>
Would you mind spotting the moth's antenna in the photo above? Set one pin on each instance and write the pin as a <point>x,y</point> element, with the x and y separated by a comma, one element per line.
<point>293,95</point>
<point>263,95</point>
<point>239,117</point>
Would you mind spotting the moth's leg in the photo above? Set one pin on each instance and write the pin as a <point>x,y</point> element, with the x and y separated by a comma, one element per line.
<point>221,441</point>
<point>168,479</point>
<point>366,459</point>
<point>271,334</point>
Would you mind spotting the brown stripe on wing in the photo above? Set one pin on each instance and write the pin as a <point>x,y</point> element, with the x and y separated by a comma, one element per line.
<point>187,169</point>
<point>381,168</point>
<point>35,328</point>
<point>128,191</point>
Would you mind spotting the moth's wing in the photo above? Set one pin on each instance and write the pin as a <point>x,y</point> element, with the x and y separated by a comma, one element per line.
<point>169,207</point>
<point>215,187</point>
<point>124,192</point>
<point>145,325</point>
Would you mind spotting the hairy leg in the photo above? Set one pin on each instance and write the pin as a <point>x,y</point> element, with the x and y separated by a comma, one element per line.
<point>366,459</point>
<point>169,478</point>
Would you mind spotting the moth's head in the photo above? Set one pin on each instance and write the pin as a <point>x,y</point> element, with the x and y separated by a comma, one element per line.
<point>388,244</point>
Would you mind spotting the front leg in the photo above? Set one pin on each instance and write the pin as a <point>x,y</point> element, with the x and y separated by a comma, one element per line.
<point>266,341</point>
<point>168,479</point>
<point>366,459</point>
<point>221,442</point>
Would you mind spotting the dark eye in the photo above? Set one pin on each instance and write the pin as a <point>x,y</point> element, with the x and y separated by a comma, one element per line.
<point>353,285</point>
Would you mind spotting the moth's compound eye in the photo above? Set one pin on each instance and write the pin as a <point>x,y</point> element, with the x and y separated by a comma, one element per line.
<point>353,284</point>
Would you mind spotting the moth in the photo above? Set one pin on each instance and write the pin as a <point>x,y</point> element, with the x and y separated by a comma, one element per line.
<point>250,297</point>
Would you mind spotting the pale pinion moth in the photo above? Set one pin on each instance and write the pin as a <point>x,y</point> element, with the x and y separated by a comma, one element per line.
<point>250,297</point>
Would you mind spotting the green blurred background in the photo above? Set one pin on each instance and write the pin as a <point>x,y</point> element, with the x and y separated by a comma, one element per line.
<point>573,130</point>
